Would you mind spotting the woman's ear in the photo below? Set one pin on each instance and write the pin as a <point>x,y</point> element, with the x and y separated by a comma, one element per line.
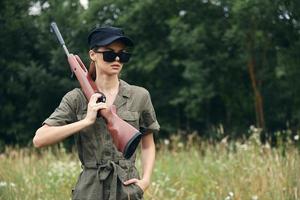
<point>92,70</point>
<point>92,55</point>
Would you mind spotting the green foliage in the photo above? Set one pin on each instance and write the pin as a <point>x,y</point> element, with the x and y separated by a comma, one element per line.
<point>191,55</point>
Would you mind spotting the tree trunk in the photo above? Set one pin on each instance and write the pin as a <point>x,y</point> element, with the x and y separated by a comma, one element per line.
<point>258,100</point>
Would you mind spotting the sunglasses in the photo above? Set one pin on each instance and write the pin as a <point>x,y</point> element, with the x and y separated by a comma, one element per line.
<point>110,56</point>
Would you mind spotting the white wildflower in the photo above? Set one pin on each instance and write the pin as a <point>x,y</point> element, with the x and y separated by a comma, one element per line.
<point>180,144</point>
<point>182,13</point>
<point>296,137</point>
<point>167,179</point>
<point>254,197</point>
<point>12,185</point>
<point>167,142</point>
<point>3,184</point>
<point>252,127</point>
<point>244,147</point>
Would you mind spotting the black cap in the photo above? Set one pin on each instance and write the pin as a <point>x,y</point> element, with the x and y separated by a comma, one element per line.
<point>106,35</point>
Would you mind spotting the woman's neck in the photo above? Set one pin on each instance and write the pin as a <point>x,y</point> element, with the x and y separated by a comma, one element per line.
<point>107,83</point>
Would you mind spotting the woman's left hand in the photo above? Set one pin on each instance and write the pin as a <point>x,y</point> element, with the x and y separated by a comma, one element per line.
<point>143,184</point>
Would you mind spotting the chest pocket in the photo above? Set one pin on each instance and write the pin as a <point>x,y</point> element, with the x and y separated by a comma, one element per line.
<point>130,117</point>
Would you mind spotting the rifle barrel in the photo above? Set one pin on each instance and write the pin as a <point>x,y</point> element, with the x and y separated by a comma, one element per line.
<point>55,29</point>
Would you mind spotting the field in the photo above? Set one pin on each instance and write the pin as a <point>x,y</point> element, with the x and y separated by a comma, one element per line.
<point>189,170</point>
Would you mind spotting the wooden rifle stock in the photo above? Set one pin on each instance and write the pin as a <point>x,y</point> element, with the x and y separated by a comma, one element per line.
<point>125,137</point>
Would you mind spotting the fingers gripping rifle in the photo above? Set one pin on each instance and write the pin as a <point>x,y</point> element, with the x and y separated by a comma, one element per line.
<point>125,137</point>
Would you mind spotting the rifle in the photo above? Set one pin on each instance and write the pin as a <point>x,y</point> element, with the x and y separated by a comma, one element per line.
<point>125,137</point>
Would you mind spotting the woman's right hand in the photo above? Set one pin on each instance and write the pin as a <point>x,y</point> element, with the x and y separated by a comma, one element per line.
<point>47,135</point>
<point>93,108</point>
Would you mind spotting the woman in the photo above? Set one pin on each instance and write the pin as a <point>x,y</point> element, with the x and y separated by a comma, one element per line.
<point>106,174</point>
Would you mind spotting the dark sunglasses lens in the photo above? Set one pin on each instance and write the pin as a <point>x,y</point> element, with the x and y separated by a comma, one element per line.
<point>124,57</point>
<point>109,56</point>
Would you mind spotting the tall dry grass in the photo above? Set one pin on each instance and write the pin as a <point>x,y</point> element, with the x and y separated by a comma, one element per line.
<point>191,170</point>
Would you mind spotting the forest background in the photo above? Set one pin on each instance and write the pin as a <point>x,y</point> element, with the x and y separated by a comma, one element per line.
<point>213,67</point>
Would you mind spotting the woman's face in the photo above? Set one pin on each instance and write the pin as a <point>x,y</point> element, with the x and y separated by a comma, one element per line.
<point>111,67</point>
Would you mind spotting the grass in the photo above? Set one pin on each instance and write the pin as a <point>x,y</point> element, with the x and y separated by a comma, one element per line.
<point>191,170</point>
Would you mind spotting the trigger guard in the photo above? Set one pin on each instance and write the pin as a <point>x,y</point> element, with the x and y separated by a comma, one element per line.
<point>101,99</point>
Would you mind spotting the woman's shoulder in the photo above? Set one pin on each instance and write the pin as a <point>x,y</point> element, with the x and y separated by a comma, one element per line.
<point>134,89</point>
<point>75,99</point>
<point>75,93</point>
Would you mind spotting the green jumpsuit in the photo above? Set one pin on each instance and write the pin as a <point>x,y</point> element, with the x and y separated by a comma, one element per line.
<point>104,167</point>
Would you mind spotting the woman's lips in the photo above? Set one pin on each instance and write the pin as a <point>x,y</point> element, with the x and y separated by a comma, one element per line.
<point>115,66</point>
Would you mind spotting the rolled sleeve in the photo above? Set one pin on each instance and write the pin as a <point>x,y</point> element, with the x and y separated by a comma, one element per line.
<point>148,121</point>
